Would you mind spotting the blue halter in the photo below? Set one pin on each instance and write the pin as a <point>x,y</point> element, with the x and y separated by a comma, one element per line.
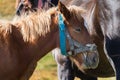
<point>62,35</point>
<point>75,46</point>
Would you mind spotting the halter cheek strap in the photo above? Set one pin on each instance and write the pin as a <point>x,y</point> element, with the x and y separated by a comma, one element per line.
<point>75,46</point>
<point>62,30</point>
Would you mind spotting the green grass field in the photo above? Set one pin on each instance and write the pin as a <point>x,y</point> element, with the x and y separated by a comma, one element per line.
<point>46,68</point>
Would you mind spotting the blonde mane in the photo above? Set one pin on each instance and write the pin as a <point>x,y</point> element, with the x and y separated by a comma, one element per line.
<point>5,28</point>
<point>36,24</point>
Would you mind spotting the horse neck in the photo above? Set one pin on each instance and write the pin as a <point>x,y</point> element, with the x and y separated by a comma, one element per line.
<point>109,17</point>
<point>38,47</point>
<point>47,43</point>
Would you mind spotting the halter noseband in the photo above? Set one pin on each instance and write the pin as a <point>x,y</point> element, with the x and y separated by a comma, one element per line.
<point>75,47</point>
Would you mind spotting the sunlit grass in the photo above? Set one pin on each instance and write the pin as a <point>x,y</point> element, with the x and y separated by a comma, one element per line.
<point>7,8</point>
<point>46,63</point>
<point>46,69</point>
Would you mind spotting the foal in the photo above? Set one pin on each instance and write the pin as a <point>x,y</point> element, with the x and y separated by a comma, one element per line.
<point>104,68</point>
<point>33,7</point>
<point>25,41</point>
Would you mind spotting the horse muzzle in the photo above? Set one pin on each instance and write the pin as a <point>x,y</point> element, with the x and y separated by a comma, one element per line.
<point>86,57</point>
<point>90,60</point>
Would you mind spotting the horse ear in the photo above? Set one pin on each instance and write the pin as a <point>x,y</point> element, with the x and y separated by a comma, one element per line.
<point>63,9</point>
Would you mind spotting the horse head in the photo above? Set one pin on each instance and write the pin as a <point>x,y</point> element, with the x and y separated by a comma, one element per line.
<point>81,48</point>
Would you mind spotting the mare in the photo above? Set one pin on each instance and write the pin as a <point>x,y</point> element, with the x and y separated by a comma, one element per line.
<point>104,68</point>
<point>28,39</point>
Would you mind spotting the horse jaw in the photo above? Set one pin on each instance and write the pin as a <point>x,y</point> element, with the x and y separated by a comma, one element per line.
<point>87,60</point>
<point>78,61</point>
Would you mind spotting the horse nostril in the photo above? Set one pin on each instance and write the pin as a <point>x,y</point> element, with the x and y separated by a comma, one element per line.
<point>94,59</point>
<point>95,56</point>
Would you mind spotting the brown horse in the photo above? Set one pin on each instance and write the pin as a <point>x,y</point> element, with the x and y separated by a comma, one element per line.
<point>29,6</point>
<point>104,68</point>
<point>25,41</point>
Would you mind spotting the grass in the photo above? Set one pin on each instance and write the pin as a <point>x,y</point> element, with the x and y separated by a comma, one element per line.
<point>46,63</point>
<point>46,68</point>
<point>7,8</point>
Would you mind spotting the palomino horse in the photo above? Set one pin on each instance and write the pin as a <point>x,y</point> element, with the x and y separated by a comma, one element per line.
<point>104,68</point>
<point>25,41</point>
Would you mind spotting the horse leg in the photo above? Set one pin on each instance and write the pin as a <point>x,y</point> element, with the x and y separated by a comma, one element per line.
<point>27,74</point>
<point>113,50</point>
<point>65,71</point>
<point>116,61</point>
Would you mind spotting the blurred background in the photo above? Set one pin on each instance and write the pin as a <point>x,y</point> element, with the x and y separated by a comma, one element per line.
<point>7,9</point>
<point>46,68</point>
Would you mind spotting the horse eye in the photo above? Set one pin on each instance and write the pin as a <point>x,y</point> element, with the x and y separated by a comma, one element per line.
<point>78,30</point>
